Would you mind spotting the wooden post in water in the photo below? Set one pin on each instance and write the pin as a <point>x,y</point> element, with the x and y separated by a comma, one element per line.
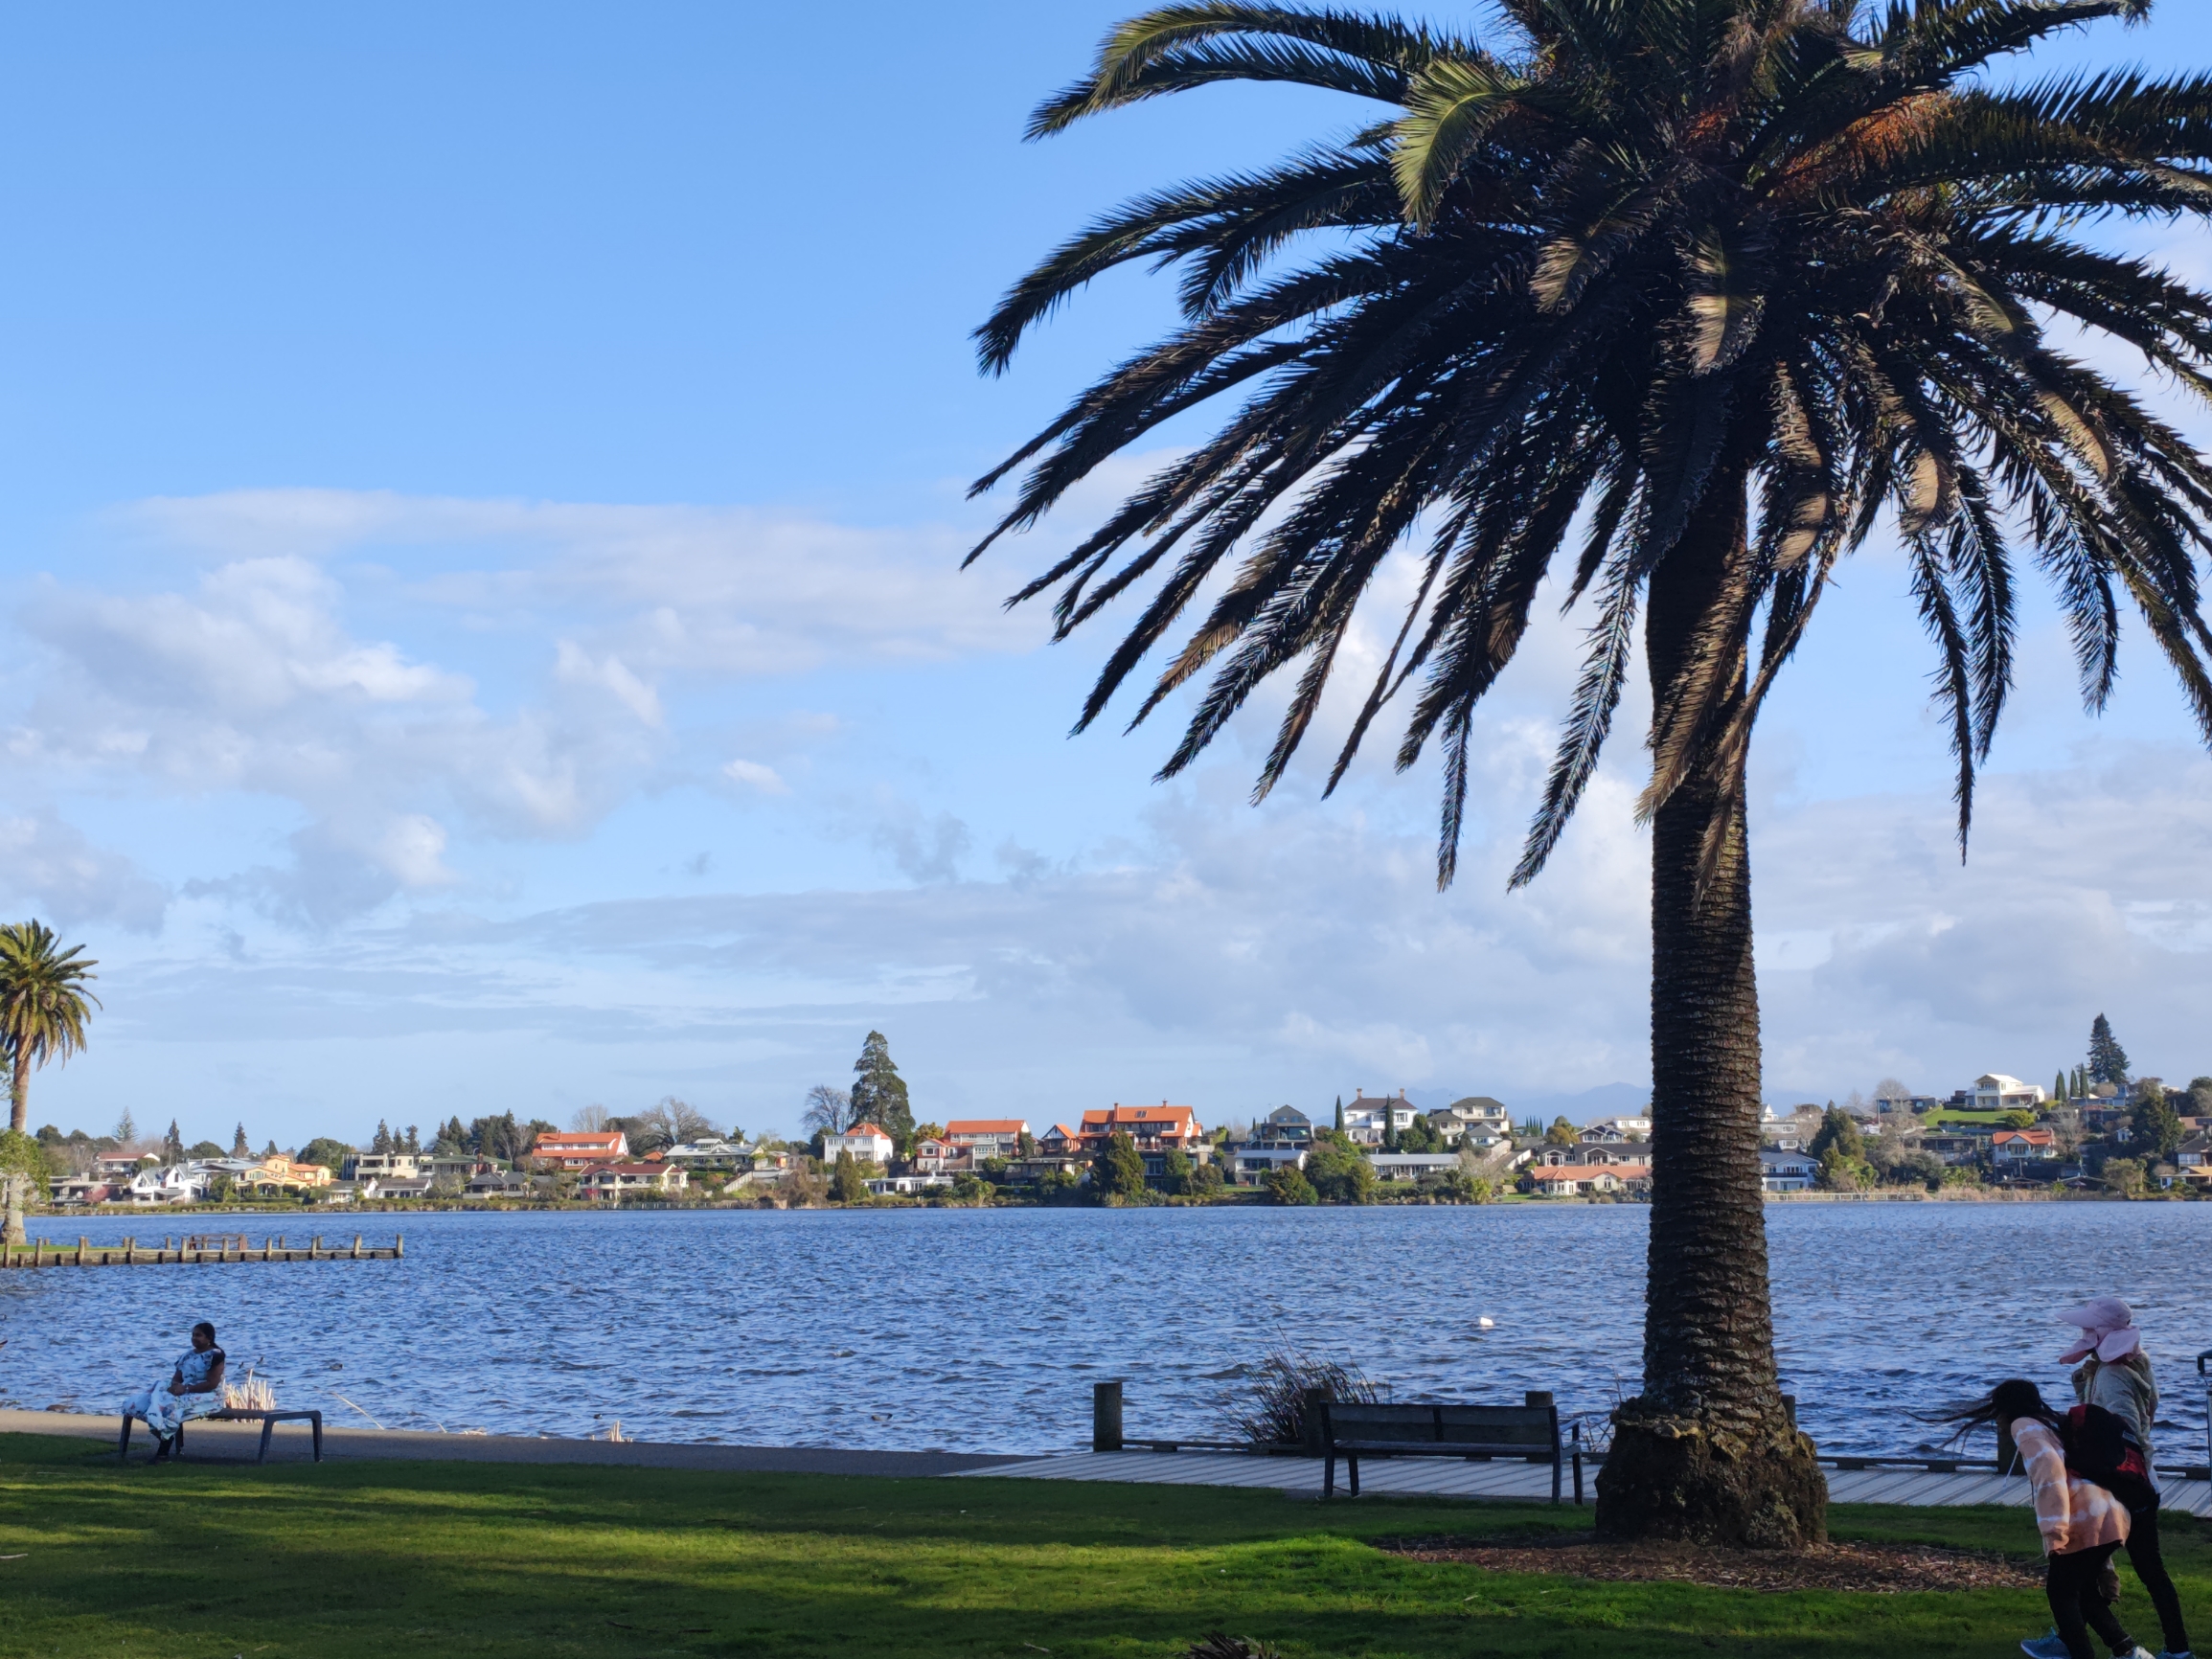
<point>399,1246</point>
<point>82,1244</point>
<point>315,1247</point>
<point>356,1246</point>
<point>1105,1416</point>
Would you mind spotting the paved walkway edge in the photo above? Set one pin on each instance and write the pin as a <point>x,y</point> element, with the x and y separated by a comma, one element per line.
<point>1445,1477</point>
<point>229,1441</point>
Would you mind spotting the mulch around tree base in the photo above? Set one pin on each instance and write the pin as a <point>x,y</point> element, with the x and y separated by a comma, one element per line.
<point>1885,1569</point>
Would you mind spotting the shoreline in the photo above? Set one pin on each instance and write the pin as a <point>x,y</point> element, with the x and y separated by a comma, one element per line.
<point>271,1217</point>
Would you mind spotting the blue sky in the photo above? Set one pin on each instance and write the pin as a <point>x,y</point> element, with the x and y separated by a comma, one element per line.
<point>481,491</point>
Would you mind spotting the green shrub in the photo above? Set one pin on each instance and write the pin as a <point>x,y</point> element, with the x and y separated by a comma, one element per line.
<point>1286,1185</point>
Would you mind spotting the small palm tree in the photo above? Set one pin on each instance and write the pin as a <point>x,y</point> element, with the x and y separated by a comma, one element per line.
<point>1672,302</point>
<point>42,1006</point>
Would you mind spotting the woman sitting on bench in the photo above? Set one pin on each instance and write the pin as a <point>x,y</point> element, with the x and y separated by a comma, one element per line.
<point>194,1389</point>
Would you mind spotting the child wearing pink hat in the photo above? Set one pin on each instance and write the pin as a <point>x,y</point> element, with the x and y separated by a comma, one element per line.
<point>2115,1373</point>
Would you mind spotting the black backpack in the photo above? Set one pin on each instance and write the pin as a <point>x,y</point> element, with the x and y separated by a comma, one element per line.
<point>2097,1444</point>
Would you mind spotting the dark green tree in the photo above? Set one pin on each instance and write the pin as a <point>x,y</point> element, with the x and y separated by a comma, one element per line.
<point>1663,305</point>
<point>330,1154</point>
<point>2107,1059</point>
<point>1117,1170</point>
<point>2157,1125</point>
<point>1841,1131</point>
<point>1339,1173</point>
<point>2059,1090</point>
<point>845,1179</point>
<point>879,1093</point>
<point>240,1147</point>
<point>1286,1185</point>
<point>1176,1170</point>
<point>1338,1125</point>
<point>173,1145</point>
<point>382,1142</point>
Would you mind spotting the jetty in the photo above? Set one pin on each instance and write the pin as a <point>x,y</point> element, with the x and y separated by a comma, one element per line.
<point>201,1249</point>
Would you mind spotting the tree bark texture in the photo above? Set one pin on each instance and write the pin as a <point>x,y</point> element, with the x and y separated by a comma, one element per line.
<point>19,1099</point>
<point>1706,1452</point>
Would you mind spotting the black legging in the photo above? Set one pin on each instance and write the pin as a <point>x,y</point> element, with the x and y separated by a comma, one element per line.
<point>2079,1606</point>
<point>2142,1501</point>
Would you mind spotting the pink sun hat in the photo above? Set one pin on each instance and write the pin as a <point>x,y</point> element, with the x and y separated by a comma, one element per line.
<point>2108,1327</point>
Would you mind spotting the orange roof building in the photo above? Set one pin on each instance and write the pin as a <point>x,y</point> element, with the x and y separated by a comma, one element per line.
<point>559,1150</point>
<point>1151,1127</point>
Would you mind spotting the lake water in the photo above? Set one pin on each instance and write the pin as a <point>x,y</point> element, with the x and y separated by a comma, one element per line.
<point>983,1329</point>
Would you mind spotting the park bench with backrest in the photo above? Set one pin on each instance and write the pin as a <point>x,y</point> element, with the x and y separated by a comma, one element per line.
<point>1352,1430</point>
<point>267,1418</point>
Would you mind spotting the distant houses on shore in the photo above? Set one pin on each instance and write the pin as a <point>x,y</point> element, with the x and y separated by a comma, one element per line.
<point>1997,1131</point>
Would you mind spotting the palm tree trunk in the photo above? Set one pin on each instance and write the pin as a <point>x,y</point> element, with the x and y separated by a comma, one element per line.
<point>1708,1451</point>
<point>19,1096</point>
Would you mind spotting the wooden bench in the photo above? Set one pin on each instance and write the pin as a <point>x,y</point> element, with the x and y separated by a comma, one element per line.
<point>1477,1433</point>
<point>268,1419</point>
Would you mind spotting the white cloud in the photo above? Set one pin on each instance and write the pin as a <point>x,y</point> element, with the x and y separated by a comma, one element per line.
<point>712,591</point>
<point>756,776</point>
<point>575,666</point>
<point>50,866</point>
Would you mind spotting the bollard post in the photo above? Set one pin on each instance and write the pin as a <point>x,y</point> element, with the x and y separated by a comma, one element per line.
<point>83,1245</point>
<point>1309,1404</point>
<point>315,1247</point>
<point>1105,1416</point>
<point>356,1246</point>
<point>399,1246</point>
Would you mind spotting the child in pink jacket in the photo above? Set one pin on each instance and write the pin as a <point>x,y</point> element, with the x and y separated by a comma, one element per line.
<point>2082,1523</point>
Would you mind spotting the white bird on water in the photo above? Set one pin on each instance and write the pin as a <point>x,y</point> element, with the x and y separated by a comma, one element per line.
<point>1485,1323</point>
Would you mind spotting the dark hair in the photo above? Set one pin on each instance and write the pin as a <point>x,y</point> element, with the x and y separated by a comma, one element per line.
<point>203,1324</point>
<point>2012,1399</point>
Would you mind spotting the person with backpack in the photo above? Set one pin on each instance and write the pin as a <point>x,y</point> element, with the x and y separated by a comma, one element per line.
<point>2114,1377</point>
<point>2081,1521</point>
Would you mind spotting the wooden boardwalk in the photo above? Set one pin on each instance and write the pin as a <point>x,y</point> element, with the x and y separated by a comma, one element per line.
<point>1436,1477</point>
<point>192,1251</point>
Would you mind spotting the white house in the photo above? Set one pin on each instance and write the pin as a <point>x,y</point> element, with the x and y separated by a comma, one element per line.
<point>1254,1161</point>
<point>716,1152</point>
<point>1786,1171</point>
<point>1619,1129</point>
<point>868,1145</point>
<point>614,1180</point>
<point>383,1166</point>
<point>1995,1092</point>
<point>986,1137</point>
<point>905,1185</point>
<point>171,1184</point>
<point>1412,1166</point>
<point>1364,1117</point>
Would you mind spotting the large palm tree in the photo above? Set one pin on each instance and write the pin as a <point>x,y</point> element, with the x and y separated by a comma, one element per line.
<point>43,1005</point>
<point>1674,302</point>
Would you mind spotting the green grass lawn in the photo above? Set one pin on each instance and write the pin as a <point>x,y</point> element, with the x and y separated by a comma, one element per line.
<point>205,1561</point>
